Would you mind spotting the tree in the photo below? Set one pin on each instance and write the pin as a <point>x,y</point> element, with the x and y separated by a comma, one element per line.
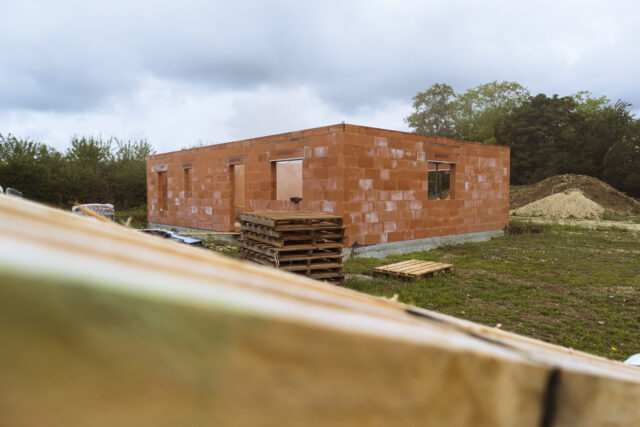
<point>621,166</point>
<point>603,125</point>
<point>471,115</point>
<point>478,109</point>
<point>434,111</point>
<point>87,170</point>
<point>578,134</point>
<point>32,168</point>
<point>542,135</point>
<point>128,175</point>
<point>92,170</point>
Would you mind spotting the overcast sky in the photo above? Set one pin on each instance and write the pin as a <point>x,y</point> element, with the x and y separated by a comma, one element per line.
<point>203,71</point>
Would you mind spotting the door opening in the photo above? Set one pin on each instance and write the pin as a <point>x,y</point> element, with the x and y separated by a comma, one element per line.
<point>238,191</point>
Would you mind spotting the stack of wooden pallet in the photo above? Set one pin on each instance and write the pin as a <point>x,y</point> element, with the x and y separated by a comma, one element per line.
<point>306,243</point>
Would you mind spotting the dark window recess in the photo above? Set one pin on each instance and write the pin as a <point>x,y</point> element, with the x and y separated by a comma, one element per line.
<point>440,181</point>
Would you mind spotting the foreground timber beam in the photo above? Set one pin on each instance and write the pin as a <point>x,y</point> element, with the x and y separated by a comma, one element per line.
<point>103,326</point>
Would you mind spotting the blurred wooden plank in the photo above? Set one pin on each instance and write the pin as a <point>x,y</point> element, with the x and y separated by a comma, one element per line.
<point>104,326</point>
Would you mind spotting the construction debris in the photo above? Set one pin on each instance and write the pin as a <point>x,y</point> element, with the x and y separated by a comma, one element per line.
<point>96,210</point>
<point>306,243</point>
<point>173,236</point>
<point>413,269</point>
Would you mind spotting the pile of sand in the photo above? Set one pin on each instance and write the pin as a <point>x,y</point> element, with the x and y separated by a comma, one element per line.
<point>611,200</point>
<point>568,204</point>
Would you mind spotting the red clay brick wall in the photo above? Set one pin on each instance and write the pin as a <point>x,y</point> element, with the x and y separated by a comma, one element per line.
<point>386,191</point>
<point>210,205</point>
<point>376,179</point>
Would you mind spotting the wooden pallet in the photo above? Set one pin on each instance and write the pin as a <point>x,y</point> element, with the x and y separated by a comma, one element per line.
<point>301,242</point>
<point>295,220</point>
<point>413,269</point>
<point>297,250</point>
<point>304,239</point>
<point>291,262</point>
<point>326,271</point>
<point>300,233</point>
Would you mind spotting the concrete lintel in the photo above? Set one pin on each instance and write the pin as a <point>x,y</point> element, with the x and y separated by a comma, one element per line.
<point>407,246</point>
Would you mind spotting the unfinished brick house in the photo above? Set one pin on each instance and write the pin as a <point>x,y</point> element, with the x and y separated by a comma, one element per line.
<point>397,191</point>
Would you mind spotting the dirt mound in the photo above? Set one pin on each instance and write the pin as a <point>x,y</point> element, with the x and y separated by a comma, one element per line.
<point>569,204</point>
<point>613,201</point>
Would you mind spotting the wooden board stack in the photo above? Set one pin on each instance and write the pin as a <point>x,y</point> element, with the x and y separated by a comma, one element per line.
<point>104,326</point>
<point>307,243</point>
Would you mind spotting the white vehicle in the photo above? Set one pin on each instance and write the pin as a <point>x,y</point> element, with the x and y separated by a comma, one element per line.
<point>13,192</point>
<point>10,192</point>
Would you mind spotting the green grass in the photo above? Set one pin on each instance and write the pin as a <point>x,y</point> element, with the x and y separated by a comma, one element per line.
<point>222,246</point>
<point>623,218</point>
<point>138,216</point>
<point>571,286</point>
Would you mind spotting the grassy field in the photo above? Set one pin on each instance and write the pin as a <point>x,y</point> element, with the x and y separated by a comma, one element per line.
<point>633,219</point>
<point>571,286</point>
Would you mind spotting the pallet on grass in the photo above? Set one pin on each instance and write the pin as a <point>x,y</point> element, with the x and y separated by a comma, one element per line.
<point>413,269</point>
<point>306,243</point>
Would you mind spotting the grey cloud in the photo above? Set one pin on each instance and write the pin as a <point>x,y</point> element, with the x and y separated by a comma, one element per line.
<point>56,89</point>
<point>75,55</point>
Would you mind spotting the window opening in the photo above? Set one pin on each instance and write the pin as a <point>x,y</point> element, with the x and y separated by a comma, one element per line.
<point>238,189</point>
<point>440,180</point>
<point>187,182</point>
<point>287,175</point>
<point>162,191</point>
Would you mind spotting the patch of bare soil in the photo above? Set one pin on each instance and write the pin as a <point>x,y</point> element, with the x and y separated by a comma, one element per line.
<point>612,200</point>
<point>568,204</point>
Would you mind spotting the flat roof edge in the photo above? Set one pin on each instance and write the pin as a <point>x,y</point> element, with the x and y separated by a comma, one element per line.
<point>344,127</point>
<point>329,128</point>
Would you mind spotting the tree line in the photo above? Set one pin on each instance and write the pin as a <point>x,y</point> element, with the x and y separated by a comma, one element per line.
<point>92,170</point>
<point>548,135</point>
